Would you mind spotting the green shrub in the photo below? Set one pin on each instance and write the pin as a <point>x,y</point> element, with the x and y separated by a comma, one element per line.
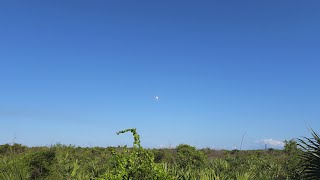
<point>292,163</point>
<point>164,156</point>
<point>189,157</point>
<point>39,163</point>
<point>14,148</point>
<point>135,163</point>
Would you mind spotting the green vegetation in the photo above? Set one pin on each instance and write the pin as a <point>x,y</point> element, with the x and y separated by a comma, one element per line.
<point>311,156</point>
<point>183,162</point>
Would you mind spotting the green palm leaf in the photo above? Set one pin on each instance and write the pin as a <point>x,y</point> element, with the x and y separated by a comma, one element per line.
<point>311,155</point>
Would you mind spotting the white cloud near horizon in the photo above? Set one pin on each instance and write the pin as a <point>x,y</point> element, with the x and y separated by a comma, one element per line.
<point>272,143</point>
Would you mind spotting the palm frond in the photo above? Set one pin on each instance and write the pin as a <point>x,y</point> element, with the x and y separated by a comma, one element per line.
<point>311,155</point>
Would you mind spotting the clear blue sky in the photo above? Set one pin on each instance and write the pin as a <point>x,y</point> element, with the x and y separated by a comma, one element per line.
<point>76,72</point>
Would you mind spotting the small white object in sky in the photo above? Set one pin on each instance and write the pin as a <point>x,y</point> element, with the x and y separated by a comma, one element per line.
<point>157,98</point>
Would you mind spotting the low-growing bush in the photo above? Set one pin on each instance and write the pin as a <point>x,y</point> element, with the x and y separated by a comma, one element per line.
<point>189,157</point>
<point>39,163</point>
<point>135,163</point>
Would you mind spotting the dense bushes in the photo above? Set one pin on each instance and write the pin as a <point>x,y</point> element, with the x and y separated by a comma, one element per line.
<point>14,148</point>
<point>183,162</point>
<point>135,163</point>
<point>293,161</point>
<point>39,163</point>
<point>189,157</point>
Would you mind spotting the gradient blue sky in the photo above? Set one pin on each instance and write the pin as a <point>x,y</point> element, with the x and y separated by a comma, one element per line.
<point>76,72</point>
